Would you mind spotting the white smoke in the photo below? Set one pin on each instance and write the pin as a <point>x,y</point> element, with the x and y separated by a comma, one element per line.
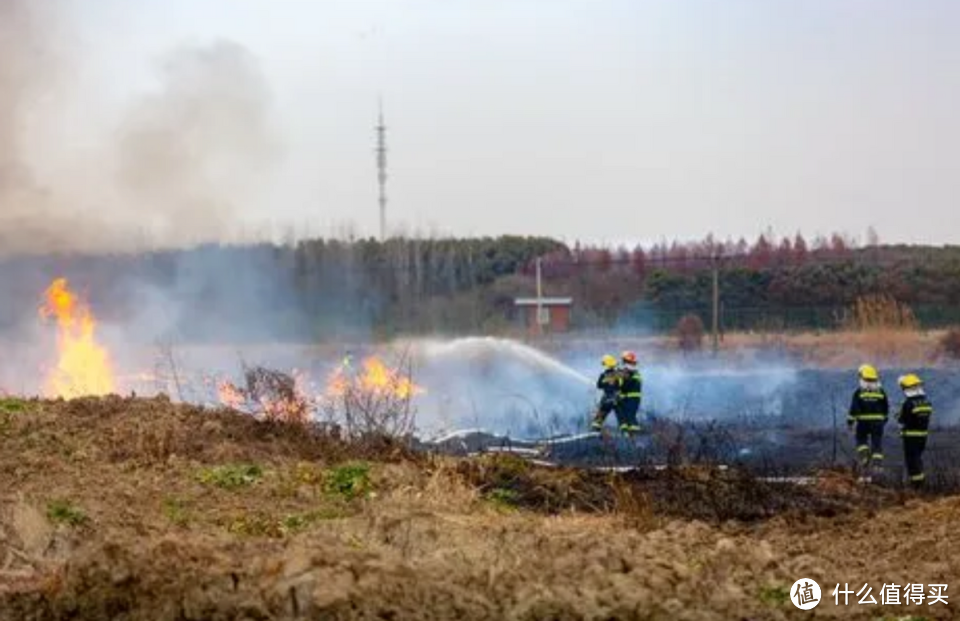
<point>173,170</point>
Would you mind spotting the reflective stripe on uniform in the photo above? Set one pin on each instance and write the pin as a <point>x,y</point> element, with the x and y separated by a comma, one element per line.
<point>917,477</point>
<point>871,417</point>
<point>632,394</point>
<point>863,448</point>
<point>871,395</point>
<point>923,409</point>
<point>914,433</point>
<point>876,456</point>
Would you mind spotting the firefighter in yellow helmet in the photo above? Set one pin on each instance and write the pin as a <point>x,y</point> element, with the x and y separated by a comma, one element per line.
<point>914,419</point>
<point>869,412</point>
<point>609,384</point>
<point>631,392</point>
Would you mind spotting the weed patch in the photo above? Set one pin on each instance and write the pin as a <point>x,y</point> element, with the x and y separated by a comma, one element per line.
<point>262,524</point>
<point>231,477</point>
<point>349,481</point>
<point>64,512</point>
<point>176,511</point>
<point>774,595</point>
<point>12,405</point>
<point>503,498</point>
<point>9,407</point>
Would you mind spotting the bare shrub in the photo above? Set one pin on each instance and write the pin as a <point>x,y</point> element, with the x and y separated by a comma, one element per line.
<point>689,333</point>
<point>272,394</point>
<point>372,400</point>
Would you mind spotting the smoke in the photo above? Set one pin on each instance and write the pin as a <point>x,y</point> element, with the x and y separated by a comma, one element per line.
<point>28,70</point>
<point>174,169</point>
<point>499,385</point>
<point>509,388</point>
<point>190,153</point>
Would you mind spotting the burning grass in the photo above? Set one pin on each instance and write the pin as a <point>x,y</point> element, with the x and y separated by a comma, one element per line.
<point>83,365</point>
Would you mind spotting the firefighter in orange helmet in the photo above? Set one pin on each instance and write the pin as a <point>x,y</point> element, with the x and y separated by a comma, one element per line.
<point>631,392</point>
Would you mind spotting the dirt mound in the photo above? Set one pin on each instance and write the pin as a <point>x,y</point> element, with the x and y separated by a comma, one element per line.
<point>116,429</point>
<point>141,509</point>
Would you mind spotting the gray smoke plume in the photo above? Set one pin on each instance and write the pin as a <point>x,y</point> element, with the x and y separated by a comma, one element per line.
<point>187,156</point>
<point>190,152</point>
<point>28,70</point>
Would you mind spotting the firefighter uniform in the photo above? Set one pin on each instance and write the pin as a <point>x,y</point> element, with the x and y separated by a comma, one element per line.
<point>869,412</point>
<point>914,419</point>
<point>609,384</point>
<point>631,392</point>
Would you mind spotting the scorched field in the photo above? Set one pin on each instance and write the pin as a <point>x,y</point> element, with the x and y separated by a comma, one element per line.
<point>128,507</point>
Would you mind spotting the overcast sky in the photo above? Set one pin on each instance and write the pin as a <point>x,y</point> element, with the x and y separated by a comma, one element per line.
<point>606,120</point>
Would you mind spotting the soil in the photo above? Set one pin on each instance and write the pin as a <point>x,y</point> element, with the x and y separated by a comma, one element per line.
<point>142,509</point>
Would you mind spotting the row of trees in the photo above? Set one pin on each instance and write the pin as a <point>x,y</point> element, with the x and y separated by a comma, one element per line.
<point>317,288</point>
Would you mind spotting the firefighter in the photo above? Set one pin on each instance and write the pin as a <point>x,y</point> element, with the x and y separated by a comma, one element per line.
<point>914,419</point>
<point>609,383</point>
<point>869,412</point>
<point>631,391</point>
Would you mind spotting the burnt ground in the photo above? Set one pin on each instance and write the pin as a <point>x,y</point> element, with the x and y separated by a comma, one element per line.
<point>761,446</point>
<point>142,509</point>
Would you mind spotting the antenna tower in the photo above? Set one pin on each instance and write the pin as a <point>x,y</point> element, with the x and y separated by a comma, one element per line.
<point>382,172</point>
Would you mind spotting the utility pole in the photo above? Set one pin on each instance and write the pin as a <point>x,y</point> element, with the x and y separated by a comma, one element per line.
<point>382,171</point>
<point>539,298</point>
<point>716,304</point>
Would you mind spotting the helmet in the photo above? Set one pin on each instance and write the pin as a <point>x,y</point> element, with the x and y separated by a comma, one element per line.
<point>909,381</point>
<point>609,361</point>
<point>868,373</point>
<point>629,357</point>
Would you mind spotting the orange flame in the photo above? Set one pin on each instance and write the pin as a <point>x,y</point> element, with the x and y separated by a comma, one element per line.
<point>83,366</point>
<point>291,408</point>
<point>376,379</point>
<point>230,395</point>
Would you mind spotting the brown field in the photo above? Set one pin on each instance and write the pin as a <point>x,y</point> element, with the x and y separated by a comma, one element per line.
<point>141,509</point>
<point>826,349</point>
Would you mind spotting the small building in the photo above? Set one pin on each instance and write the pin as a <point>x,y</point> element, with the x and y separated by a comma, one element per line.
<point>554,314</point>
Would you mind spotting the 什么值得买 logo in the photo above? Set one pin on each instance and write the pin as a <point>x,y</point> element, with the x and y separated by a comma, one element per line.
<point>805,593</point>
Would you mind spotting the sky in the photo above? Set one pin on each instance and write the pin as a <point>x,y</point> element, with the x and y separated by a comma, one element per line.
<point>611,121</point>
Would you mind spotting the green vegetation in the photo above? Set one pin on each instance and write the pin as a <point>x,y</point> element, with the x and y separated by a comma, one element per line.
<point>263,524</point>
<point>774,595</point>
<point>349,481</point>
<point>64,512</point>
<point>232,476</point>
<point>503,498</point>
<point>176,511</point>
<point>12,405</point>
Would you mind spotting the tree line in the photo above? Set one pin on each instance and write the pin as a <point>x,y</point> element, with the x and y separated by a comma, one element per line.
<point>321,288</point>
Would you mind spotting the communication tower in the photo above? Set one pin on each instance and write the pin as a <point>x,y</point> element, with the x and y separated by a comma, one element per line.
<point>382,171</point>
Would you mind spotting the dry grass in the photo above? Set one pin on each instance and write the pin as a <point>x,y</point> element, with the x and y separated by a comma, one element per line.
<point>229,517</point>
<point>879,312</point>
<point>689,333</point>
<point>949,344</point>
<point>842,349</point>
